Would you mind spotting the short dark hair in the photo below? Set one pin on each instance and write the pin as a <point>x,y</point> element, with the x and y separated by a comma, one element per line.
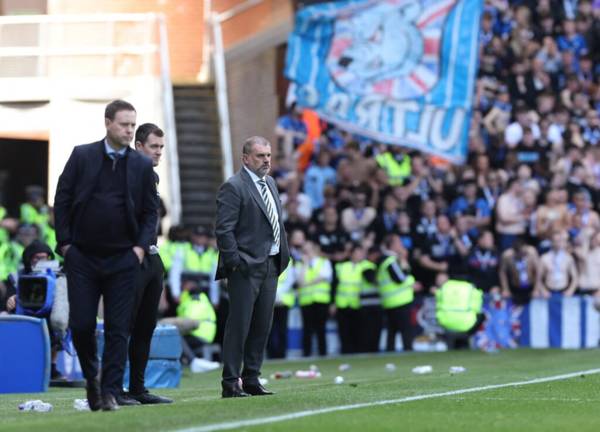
<point>144,131</point>
<point>115,106</point>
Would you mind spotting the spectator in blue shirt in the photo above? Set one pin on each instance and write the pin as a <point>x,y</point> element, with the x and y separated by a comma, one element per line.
<point>291,130</point>
<point>317,177</point>
<point>571,40</point>
<point>475,209</point>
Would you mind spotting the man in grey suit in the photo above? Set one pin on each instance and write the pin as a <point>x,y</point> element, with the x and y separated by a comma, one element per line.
<point>253,252</point>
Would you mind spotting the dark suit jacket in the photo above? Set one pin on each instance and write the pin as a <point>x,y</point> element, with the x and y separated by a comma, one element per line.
<point>78,180</point>
<point>243,230</point>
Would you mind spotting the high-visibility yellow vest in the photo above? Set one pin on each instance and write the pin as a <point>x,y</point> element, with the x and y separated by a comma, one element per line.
<point>457,305</point>
<point>3,233</point>
<point>169,249</point>
<point>6,261</point>
<point>369,293</point>
<point>350,283</point>
<point>314,292</point>
<point>201,263</point>
<point>31,215</point>
<point>393,294</point>
<point>288,297</point>
<point>199,308</point>
<point>395,171</point>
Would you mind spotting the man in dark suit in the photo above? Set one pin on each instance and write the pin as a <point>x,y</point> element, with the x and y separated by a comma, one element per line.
<point>149,141</point>
<point>105,213</point>
<point>253,252</point>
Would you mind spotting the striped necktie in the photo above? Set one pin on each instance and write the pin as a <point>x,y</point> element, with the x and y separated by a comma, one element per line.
<point>270,210</point>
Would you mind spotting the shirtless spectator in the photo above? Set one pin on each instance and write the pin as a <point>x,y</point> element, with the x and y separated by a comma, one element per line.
<point>558,272</point>
<point>518,272</point>
<point>551,216</point>
<point>587,254</point>
<point>582,216</point>
<point>511,218</point>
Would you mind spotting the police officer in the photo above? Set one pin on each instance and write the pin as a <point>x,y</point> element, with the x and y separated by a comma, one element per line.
<point>458,310</point>
<point>396,288</point>
<point>149,140</point>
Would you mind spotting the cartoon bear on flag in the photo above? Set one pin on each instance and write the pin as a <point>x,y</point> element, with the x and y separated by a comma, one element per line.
<point>389,47</point>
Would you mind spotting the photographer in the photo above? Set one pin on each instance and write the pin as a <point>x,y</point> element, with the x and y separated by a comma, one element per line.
<point>50,307</point>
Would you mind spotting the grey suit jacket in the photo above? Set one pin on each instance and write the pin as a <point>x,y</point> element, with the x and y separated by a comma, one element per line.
<point>242,227</point>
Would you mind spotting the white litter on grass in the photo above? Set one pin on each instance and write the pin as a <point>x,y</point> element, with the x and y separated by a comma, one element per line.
<point>390,367</point>
<point>457,369</point>
<point>421,370</point>
<point>344,367</point>
<point>307,374</point>
<point>81,405</point>
<point>338,380</point>
<point>36,405</point>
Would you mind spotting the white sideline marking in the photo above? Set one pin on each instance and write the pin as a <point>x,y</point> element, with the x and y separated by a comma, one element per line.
<point>309,413</point>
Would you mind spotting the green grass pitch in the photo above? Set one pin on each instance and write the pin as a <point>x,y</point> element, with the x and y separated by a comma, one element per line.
<point>560,405</point>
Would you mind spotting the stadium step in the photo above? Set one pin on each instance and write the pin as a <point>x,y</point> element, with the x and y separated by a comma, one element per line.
<point>200,159</point>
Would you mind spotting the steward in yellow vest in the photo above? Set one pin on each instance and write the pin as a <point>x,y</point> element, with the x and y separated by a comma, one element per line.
<point>314,275</point>
<point>284,300</point>
<point>351,280</point>
<point>197,306</point>
<point>458,306</point>
<point>396,289</point>
<point>395,164</point>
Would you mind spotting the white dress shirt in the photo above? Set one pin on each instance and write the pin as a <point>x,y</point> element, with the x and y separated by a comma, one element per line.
<point>255,180</point>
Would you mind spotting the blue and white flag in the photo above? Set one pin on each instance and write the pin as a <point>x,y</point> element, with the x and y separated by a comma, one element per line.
<point>397,71</point>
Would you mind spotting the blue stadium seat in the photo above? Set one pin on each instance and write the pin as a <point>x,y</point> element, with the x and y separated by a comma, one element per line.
<point>24,355</point>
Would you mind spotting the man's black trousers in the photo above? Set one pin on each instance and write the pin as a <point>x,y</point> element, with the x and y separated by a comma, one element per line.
<point>113,278</point>
<point>148,292</point>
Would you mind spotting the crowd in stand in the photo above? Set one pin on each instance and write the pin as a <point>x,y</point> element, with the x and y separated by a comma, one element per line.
<point>518,220</point>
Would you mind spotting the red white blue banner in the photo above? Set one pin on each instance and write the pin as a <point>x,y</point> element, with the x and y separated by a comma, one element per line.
<point>397,71</point>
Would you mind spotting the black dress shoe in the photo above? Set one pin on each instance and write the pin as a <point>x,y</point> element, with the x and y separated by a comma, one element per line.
<point>92,390</point>
<point>109,403</point>
<point>147,398</point>
<point>124,399</point>
<point>256,390</point>
<point>233,390</point>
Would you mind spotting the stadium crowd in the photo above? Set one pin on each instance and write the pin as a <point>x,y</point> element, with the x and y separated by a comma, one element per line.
<point>518,220</point>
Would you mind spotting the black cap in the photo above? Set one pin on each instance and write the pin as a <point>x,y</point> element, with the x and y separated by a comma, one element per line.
<point>35,247</point>
<point>201,230</point>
